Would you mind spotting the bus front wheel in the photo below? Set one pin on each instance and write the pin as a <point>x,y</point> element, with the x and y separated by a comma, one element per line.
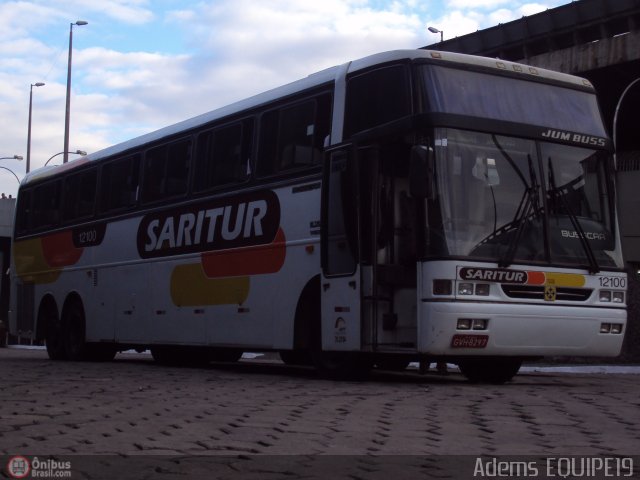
<point>490,370</point>
<point>341,365</point>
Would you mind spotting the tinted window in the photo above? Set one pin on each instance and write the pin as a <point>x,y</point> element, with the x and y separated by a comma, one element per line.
<point>376,97</point>
<point>24,212</point>
<point>46,205</point>
<point>222,155</point>
<point>340,217</point>
<point>119,183</point>
<point>79,194</point>
<point>166,171</point>
<point>293,136</point>
<point>505,98</point>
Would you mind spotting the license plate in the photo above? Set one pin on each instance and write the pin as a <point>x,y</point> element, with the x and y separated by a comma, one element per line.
<point>469,341</point>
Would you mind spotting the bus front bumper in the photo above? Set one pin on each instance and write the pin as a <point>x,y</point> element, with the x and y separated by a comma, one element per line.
<point>519,330</point>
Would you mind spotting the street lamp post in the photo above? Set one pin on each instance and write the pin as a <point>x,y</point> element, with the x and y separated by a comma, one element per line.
<point>435,30</point>
<point>15,157</point>
<point>10,171</point>
<point>68,104</point>
<point>77,152</point>
<point>37,84</point>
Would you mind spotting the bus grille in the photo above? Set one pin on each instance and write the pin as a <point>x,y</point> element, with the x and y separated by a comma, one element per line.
<point>530,292</point>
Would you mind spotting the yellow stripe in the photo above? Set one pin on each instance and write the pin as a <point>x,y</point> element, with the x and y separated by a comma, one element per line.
<point>565,279</point>
<point>190,287</point>
<point>30,263</point>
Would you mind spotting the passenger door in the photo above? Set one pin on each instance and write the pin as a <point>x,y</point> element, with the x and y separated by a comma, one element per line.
<point>340,285</point>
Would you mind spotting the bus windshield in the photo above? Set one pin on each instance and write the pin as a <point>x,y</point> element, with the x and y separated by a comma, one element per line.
<point>511,200</point>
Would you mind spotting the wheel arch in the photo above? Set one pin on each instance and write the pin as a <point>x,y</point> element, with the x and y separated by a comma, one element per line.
<point>72,298</point>
<point>47,309</point>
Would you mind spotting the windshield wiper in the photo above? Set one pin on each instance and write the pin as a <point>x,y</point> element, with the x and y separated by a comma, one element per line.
<point>591,258</point>
<point>529,206</point>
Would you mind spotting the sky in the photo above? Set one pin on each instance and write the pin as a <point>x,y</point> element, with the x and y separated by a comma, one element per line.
<point>139,65</point>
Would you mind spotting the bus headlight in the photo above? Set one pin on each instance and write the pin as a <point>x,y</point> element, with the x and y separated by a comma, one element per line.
<point>442,287</point>
<point>479,324</point>
<point>616,328</point>
<point>605,296</point>
<point>483,289</point>
<point>465,289</point>
<point>464,324</point>
<point>613,296</point>
<point>618,297</point>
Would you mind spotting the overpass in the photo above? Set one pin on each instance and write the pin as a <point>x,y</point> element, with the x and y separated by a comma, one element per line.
<point>596,39</point>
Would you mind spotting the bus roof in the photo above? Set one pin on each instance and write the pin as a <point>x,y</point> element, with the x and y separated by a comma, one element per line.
<point>316,79</point>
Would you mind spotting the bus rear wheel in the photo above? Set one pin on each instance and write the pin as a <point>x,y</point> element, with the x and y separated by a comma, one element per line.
<point>73,328</point>
<point>490,370</point>
<point>54,338</point>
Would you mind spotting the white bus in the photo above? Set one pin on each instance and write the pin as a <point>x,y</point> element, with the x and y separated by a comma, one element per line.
<point>411,205</point>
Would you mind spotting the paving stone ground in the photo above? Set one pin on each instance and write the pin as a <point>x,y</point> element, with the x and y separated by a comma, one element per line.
<point>133,408</point>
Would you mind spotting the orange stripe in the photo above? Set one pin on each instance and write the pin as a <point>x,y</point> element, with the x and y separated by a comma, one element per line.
<point>536,278</point>
<point>59,251</point>
<point>254,260</point>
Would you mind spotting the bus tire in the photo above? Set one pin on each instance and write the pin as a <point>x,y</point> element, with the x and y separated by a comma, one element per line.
<point>53,336</point>
<point>100,352</point>
<point>163,355</point>
<point>490,370</point>
<point>341,365</point>
<point>295,357</point>
<point>394,364</point>
<point>225,355</point>
<point>73,327</point>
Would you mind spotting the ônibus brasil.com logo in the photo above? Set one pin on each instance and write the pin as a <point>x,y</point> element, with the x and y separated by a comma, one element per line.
<point>20,467</point>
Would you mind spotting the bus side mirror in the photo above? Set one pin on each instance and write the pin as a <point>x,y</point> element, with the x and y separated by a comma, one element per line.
<point>421,172</point>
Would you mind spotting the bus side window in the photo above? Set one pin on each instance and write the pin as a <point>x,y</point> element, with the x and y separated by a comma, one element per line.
<point>388,86</point>
<point>79,193</point>
<point>46,205</point>
<point>222,155</point>
<point>119,181</point>
<point>166,171</point>
<point>24,212</point>
<point>293,136</point>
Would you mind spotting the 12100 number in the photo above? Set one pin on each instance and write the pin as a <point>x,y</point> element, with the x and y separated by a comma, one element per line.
<point>89,236</point>
<point>613,282</point>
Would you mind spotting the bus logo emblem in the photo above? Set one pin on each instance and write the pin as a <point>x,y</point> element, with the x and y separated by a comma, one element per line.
<point>550,293</point>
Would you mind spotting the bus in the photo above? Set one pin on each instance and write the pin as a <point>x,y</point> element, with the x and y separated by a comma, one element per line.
<point>408,206</point>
